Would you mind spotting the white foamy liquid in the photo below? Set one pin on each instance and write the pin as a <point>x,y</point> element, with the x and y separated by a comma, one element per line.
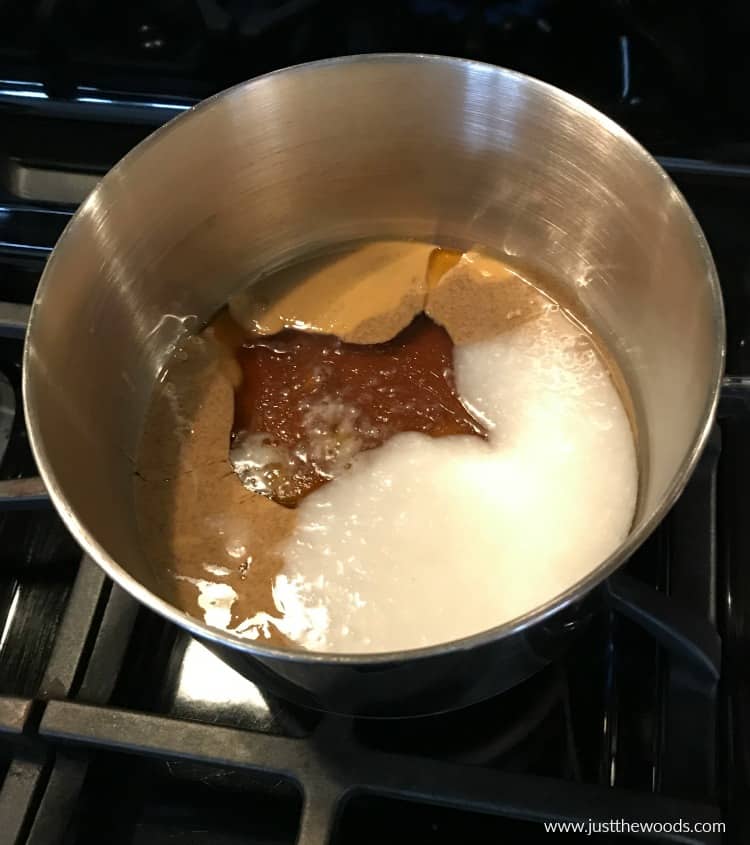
<point>426,540</point>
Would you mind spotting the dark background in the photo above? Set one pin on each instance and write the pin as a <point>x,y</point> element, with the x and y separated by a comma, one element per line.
<point>675,73</point>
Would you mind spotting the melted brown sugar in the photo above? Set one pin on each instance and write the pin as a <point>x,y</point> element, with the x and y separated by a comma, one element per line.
<point>308,403</point>
<point>280,412</point>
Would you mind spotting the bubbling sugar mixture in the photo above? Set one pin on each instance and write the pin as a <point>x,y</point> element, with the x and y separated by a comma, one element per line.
<point>421,534</point>
<point>309,403</point>
<point>429,540</point>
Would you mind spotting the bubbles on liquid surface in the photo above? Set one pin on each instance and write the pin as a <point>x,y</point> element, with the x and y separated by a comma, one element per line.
<point>425,540</point>
<point>308,404</point>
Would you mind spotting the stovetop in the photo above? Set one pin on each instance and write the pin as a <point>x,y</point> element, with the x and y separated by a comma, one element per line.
<point>115,726</point>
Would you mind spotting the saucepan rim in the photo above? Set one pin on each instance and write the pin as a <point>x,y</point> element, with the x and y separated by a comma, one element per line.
<point>584,585</point>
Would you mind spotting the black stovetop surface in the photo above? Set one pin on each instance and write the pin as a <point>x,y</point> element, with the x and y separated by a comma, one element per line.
<point>115,726</point>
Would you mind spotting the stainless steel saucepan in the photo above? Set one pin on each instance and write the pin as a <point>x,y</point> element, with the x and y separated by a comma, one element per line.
<point>388,145</point>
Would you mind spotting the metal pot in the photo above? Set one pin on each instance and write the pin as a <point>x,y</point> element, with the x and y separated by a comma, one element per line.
<point>393,145</point>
